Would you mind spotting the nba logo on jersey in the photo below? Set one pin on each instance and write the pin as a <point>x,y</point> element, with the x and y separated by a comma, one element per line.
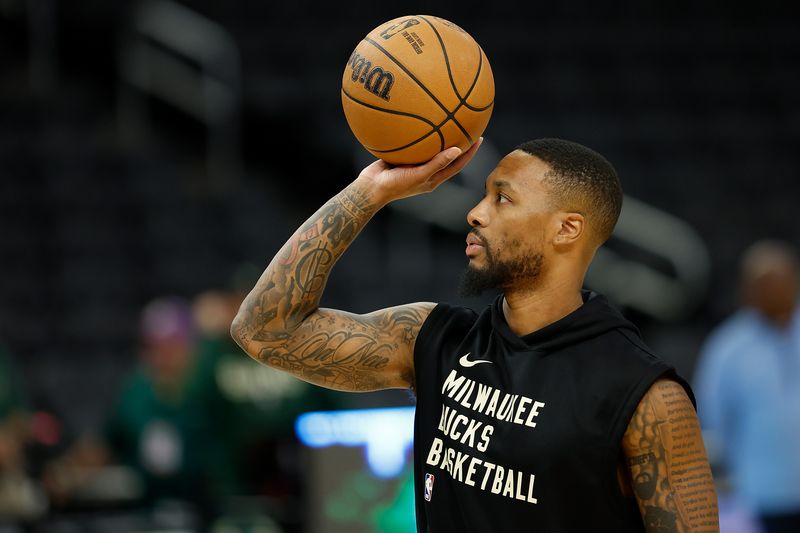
<point>428,487</point>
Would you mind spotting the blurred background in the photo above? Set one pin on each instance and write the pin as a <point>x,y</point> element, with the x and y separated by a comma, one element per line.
<point>155,155</point>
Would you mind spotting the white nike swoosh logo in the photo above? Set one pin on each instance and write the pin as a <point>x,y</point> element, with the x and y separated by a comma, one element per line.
<point>464,361</point>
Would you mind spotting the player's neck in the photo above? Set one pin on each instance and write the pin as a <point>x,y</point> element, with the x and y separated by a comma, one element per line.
<point>527,311</point>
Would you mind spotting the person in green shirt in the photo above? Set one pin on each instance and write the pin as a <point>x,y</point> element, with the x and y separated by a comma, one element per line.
<point>253,407</point>
<point>157,427</point>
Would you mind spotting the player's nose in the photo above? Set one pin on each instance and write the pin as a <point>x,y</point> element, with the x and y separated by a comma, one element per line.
<point>478,216</point>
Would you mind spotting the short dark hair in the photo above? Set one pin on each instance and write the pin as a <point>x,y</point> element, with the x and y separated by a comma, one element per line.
<point>581,179</point>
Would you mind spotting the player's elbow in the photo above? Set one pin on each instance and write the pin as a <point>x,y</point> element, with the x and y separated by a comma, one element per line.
<point>238,330</point>
<point>251,332</point>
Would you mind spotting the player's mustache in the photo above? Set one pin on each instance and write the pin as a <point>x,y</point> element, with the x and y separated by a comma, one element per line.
<point>477,234</point>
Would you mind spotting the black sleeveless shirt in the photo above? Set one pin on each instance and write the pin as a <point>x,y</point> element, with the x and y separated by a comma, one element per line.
<point>524,433</point>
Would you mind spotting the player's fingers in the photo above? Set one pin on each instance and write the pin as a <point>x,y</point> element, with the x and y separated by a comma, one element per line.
<point>456,166</point>
<point>439,161</point>
<point>466,157</point>
<point>376,167</point>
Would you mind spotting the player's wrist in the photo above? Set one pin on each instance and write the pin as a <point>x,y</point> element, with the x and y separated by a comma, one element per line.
<point>373,190</point>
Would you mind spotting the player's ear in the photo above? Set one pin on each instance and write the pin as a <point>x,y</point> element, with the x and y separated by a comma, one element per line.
<point>571,227</point>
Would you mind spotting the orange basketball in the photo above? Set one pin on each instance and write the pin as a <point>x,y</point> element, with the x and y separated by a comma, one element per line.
<point>415,86</point>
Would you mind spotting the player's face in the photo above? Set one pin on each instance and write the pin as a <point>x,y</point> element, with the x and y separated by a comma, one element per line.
<point>509,226</point>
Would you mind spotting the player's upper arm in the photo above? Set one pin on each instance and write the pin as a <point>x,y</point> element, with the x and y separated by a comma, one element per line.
<point>667,463</point>
<point>346,351</point>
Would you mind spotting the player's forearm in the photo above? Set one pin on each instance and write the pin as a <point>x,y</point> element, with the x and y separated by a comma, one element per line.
<point>290,288</point>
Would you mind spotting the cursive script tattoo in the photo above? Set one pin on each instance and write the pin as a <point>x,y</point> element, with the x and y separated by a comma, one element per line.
<point>280,323</point>
<point>667,463</point>
<point>348,352</point>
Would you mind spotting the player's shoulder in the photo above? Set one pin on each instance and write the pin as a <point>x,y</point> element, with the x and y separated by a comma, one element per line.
<point>449,310</point>
<point>444,313</point>
<point>635,362</point>
<point>448,321</point>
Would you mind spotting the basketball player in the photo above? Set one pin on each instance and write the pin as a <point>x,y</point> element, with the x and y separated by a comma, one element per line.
<point>543,413</point>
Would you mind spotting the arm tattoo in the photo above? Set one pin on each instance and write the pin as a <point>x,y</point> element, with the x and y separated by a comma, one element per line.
<point>348,352</point>
<point>280,323</point>
<point>667,463</point>
<point>291,287</point>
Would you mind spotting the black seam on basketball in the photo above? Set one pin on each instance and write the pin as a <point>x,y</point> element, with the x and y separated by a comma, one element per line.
<point>392,111</point>
<point>412,143</point>
<point>461,100</point>
<point>422,86</point>
<point>475,82</point>
<point>477,75</point>
<point>410,75</point>
<point>479,108</point>
<point>446,58</point>
<point>452,83</point>
<point>434,127</point>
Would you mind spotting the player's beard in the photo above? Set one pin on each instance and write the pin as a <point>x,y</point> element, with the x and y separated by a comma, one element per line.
<point>503,274</point>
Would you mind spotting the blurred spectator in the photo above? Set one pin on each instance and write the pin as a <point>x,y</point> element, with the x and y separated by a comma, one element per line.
<point>748,387</point>
<point>156,428</point>
<point>20,497</point>
<point>198,421</point>
<point>252,406</point>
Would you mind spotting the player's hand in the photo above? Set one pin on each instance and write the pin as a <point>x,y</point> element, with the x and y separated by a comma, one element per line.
<point>391,183</point>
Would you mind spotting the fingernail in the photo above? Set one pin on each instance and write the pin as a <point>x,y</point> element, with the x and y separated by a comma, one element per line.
<point>454,152</point>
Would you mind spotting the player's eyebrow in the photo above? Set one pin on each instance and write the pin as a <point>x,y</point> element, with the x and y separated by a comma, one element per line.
<point>501,184</point>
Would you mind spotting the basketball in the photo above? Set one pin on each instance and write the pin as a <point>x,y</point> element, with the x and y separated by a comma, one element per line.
<point>414,86</point>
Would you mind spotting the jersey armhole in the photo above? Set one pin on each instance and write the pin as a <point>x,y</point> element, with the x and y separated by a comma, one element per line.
<point>658,369</point>
<point>421,343</point>
<point>631,403</point>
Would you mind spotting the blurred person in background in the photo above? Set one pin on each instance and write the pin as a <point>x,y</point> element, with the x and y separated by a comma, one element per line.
<point>253,407</point>
<point>748,385</point>
<point>20,497</point>
<point>156,427</point>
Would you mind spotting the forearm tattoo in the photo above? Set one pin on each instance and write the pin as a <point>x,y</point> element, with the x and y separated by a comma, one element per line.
<point>281,325</point>
<point>667,462</point>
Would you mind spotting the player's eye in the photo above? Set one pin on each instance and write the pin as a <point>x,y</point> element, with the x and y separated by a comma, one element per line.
<point>502,198</point>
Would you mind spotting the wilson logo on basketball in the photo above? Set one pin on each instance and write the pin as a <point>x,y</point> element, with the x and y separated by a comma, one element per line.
<point>375,79</point>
